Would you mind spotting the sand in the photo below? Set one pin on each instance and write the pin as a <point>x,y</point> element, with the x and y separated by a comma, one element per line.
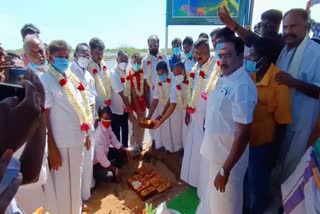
<point>116,197</point>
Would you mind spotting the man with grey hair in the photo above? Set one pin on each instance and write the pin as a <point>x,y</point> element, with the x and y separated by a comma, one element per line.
<point>42,191</point>
<point>36,54</point>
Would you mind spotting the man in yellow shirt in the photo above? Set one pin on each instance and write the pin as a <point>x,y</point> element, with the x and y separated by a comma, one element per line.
<point>271,115</point>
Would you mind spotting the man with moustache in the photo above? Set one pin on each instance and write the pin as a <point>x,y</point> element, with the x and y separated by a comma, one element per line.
<point>300,63</point>
<point>230,108</point>
<point>195,118</point>
<point>149,64</point>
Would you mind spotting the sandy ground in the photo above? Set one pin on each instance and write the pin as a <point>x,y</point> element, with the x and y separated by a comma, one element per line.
<point>116,197</point>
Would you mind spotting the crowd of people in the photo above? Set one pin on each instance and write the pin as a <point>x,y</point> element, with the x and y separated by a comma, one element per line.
<point>243,116</point>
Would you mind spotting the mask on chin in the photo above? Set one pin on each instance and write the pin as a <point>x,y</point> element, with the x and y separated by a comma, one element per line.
<point>106,123</point>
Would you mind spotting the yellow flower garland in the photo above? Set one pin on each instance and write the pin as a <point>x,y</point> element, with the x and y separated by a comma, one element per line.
<point>192,92</point>
<point>213,79</point>
<point>182,101</point>
<point>104,91</point>
<point>83,111</point>
<point>159,58</point>
<point>163,98</point>
<point>138,92</point>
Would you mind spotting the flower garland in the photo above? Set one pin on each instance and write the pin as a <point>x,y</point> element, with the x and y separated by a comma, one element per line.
<point>212,80</point>
<point>125,81</point>
<point>134,79</point>
<point>83,111</point>
<point>182,101</point>
<point>149,81</point>
<point>163,98</point>
<point>104,91</point>
<point>193,93</point>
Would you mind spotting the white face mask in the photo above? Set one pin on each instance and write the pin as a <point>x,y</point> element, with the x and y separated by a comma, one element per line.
<point>123,66</point>
<point>83,61</point>
<point>179,79</point>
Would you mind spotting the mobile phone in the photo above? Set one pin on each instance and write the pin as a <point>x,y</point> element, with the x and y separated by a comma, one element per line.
<point>12,172</point>
<point>11,90</point>
<point>15,74</point>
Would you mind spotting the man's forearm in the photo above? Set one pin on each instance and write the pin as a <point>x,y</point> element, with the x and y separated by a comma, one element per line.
<point>152,108</point>
<point>238,146</point>
<point>32,156</point>
<point>168,112</point>
<point>308,89</point>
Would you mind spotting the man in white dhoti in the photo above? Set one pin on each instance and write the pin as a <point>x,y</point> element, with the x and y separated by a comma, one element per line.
<point>29,132</point>
<point>198,80</point>
<point>176,108</point>
<point>169,136</point>
<point>79,67</point>
<point>300,63</point>
<point>41,192</point>
<point>149,64</point>
<point>69,119</point>
<point>230,109</point>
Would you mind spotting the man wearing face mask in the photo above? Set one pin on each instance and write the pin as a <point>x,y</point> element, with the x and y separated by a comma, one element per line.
<point>188,60</point>
<point>79,67</point>
<point>138,99</point>
<point>35,53</point>
<point>42,191</point>
<point>120,106</point>
<point>149,65</point>
<point>68,123</point>
<point>271,115</point>
<point>176,109</point>
<point>176,52</point>
<point>166,135</point>
<point>195,116</point>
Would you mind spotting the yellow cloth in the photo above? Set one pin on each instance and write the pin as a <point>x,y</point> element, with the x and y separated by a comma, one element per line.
<point>273,107</point>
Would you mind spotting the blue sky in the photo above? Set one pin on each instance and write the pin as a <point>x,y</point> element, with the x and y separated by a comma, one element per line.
<point>116,22</point>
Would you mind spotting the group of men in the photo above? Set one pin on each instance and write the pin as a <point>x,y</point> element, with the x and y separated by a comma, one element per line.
<point>243,120</point>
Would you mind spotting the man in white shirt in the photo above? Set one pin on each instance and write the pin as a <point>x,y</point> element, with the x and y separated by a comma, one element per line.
<point>120,106</point>
<point>42,191</point>
<point>199,79</point>
<point>187,57</point>
<point>98,69</point>
<point>229,114</point>
<point>149,65</point>
<point>66,128</point>
<point>79,67</point>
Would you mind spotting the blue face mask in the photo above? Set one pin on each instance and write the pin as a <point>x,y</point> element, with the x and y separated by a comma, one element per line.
<point>37,67</point>
<point>218,48</point>
<point>189,55</point>
<point>176,51</point>
<point>136,67</point>
<point>61,64</point>
<point>163,77</point>
<point>250,65</point>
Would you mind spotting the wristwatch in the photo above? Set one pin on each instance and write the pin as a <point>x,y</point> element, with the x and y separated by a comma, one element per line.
<point>222,172</point>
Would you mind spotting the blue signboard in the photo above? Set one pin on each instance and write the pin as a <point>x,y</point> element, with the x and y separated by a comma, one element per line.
<point>204,12</point>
